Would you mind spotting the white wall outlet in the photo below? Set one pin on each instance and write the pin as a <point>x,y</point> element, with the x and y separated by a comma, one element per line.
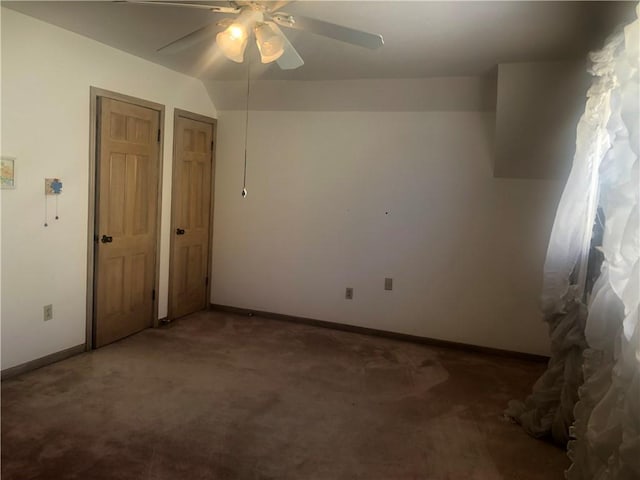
<point>48,312</point>
<point>348,294</point>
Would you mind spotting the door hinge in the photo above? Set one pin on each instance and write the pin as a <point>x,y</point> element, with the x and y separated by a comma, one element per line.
<point>212,145</point>
<point>158,135</point>
<point>153,294</point>
<point>206,281</point>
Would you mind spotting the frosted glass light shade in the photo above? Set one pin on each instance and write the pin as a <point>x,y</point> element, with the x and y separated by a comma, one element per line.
<point>233,42</point>
<point>270,44</point>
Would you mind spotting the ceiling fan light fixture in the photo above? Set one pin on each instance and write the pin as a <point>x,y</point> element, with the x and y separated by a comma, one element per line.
<point>237,32</point>
<point>233,42</point>
<point>270,44</point>
<point>262,18</point>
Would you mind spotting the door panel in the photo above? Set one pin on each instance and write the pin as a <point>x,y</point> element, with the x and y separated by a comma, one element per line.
<point>127,207</point>
<point>191,210</point>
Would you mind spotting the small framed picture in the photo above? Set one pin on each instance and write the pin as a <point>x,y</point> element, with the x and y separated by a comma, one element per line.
<point>8,172</point>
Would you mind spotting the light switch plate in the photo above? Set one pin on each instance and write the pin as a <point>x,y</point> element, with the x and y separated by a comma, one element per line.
<point>388,283</point>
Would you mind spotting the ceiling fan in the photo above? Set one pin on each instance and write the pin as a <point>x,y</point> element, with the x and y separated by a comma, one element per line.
<point>261,18</point>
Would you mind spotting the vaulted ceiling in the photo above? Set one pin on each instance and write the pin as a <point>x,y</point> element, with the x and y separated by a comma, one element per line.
<point>422,39</point>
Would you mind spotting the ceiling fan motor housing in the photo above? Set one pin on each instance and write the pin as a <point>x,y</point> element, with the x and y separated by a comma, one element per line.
<point>250,17</point>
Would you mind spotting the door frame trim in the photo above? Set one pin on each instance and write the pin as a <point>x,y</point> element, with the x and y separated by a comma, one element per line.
<point>177,113</point>
<point>94,93</point>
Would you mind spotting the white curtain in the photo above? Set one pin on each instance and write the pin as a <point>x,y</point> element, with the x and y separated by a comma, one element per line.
<point>606,434</point>
<point>549,409</point>
<point>596,350</point>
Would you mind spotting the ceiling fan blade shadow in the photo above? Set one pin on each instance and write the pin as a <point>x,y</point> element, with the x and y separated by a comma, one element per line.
<point>331,30</point>
<point>290,59</point>
<point>275,5</point>
<point>190,39</point>
<point>211,8</point>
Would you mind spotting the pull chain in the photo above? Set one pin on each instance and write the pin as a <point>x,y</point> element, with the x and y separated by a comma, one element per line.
<point>246,131</point>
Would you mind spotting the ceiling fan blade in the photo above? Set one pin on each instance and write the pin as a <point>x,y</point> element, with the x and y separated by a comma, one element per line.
<point>211,8</point>
<point>331,30</point>
<point>290,59</point>
<point>190,39</point>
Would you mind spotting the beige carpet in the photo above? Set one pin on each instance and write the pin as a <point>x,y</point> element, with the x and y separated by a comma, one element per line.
<point>222,396</point>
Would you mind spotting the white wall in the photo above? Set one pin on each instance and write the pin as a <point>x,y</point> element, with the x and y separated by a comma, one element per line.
<point>537,112</point>
<point>407,94</point>
<point>47,73</point>
<point>465,249</point>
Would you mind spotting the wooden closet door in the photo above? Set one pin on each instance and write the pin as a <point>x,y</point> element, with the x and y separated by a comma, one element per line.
<point>127,206</point>
<point>191,200</point>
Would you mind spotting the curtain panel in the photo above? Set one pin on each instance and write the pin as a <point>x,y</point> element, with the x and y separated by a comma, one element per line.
<point>589,395</point>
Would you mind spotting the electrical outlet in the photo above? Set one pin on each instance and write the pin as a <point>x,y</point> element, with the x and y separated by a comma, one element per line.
<point>48,312</point>
<point>388,283</point>
<point>349,293</point>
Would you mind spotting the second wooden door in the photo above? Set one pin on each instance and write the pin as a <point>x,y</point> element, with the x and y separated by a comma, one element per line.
<point>191,206</point>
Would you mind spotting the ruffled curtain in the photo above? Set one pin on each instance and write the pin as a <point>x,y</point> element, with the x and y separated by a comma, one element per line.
<point>606,434</point>
<point>549,409</point>
<point>595,352</point>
